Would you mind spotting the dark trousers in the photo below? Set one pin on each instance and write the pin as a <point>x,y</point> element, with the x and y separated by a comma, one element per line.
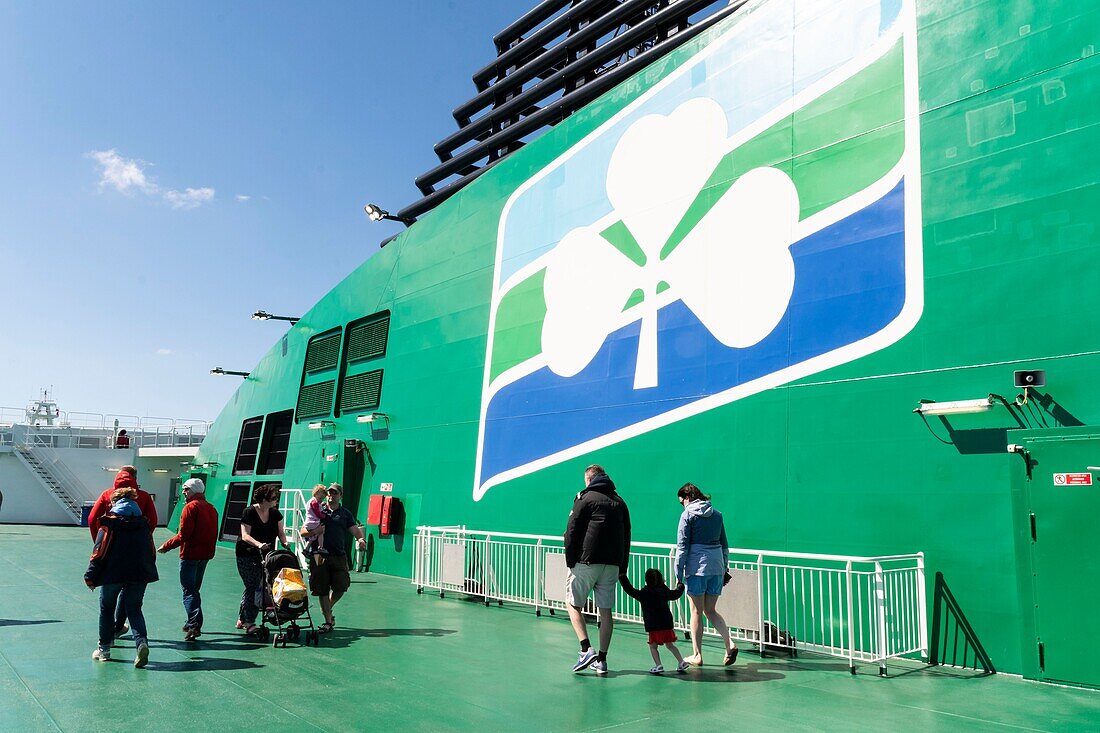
<point>191,572</point>
<point>129,597</point>
<point>252,574</point>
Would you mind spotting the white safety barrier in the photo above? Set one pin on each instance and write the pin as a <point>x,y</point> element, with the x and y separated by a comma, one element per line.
<point>863,609</point>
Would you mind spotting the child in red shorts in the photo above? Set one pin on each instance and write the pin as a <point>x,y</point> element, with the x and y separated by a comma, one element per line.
<point>657,616</point>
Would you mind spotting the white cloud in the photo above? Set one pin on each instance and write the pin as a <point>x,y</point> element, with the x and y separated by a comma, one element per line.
<point>242,197</point>
<point>127,175</point>
<point>189,198</point>
<point>124,174</point>
<point>163,352</point>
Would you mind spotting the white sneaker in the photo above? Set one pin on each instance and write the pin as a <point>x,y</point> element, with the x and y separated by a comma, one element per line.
<point>584,659</point>
<point>659,669</point>
<point>599,667</point>
<point>101,655</point>
<point>142,657</point>
<point>682,668</point>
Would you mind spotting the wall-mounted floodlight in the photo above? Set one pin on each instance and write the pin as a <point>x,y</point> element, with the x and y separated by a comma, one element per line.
<point>321,424</point>
<point>332,457</point>
<point>374,417</point>
<point>219,372</point>
<point>377,213</point>
<point>958,407</point>
<point>160,470</point>
<point>265,316</point>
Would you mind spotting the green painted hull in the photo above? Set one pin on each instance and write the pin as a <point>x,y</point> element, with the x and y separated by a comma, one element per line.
<point>834,461</point>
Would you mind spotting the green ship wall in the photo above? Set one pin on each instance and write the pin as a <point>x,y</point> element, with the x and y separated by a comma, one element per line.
<point>834,463</point>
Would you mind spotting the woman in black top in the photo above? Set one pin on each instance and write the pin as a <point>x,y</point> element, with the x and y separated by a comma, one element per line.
<point>261,525</point>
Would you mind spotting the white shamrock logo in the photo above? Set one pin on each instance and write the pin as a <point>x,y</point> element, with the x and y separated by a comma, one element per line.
<point>734,269</point>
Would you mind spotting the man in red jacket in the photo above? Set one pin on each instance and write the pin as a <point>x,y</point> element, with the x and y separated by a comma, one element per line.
<point>196,540</point>
<point>125,478</point>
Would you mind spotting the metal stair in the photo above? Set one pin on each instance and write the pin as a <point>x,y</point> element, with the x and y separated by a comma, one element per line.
<point>59,481</point>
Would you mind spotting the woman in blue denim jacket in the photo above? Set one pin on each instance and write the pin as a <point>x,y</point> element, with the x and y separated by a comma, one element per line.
<point>701,562</point>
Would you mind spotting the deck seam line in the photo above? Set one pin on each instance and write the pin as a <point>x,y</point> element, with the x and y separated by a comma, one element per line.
<point>29,690</point>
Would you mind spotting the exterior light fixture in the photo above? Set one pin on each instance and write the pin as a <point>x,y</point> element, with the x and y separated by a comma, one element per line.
<point>374,417</point>
<point>958,407</point>
<point>160,470</point>
<point>321,424</point>
<point>262,315</point>
<point>219,372</point>
<point>377,213</point>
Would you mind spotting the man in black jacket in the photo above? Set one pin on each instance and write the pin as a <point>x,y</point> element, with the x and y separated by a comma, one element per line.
<point>597,547</point>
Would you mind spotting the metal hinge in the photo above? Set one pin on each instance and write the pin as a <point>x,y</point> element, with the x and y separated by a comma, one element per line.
<point>1032,516</point>
<point>1042,658</point>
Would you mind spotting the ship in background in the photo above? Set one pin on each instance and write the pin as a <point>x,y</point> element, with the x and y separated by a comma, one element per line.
<point>831,261</point>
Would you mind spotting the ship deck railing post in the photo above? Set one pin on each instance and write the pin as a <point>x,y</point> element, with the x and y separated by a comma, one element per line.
<point>880,619</point>
<point>922,610</point>
<point>760,603</point>
<point>851,630</point>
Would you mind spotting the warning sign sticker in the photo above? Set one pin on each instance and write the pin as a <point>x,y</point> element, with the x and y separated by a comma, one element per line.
<point>1073,479</point>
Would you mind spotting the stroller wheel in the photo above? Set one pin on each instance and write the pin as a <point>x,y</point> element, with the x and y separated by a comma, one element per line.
<point>265,633</point>
<point>295,634</point>
<point>276,640</point>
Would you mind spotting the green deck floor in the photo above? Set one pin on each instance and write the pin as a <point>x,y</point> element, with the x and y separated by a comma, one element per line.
<point>408,662</point>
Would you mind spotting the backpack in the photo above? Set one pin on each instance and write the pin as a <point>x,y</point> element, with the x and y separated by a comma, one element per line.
<point>778,641</point>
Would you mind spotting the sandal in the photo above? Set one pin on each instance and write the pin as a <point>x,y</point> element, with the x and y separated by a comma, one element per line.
<point>252,630</point>
<point>731,657</point>
<point>240,624</point>
<point>324,628</point>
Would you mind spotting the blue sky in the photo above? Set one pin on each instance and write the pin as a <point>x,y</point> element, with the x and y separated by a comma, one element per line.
<point>170,168</point>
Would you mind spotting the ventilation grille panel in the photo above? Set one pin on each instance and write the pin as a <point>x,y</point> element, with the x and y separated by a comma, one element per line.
<point>362,391</point>
<point>315,400</point>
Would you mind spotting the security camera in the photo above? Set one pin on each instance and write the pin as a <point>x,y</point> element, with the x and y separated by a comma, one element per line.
<point>1029,378</point>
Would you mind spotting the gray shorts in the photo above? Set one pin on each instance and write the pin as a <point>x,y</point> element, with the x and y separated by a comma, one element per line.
<point>582,579</point>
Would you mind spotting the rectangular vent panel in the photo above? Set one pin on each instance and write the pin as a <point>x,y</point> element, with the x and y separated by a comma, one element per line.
<point>368,340</point>
<point>362,391</point>
<point>323,352</point>
<point>315,400</point>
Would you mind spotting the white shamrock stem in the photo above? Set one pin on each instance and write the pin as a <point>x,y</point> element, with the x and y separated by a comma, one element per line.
<point>645,370</point>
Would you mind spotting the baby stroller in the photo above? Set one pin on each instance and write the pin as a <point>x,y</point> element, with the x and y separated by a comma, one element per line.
<point>285,600</point>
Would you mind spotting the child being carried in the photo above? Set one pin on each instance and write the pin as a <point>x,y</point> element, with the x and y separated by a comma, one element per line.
<point>657,616</point>
<point>313,528</point>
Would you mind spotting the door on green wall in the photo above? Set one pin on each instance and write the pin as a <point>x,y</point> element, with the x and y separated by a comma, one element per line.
<point>355,474</point>
<point>1060,550</point>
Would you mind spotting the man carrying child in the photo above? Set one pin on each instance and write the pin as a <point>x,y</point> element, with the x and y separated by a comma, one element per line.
<point>329,577</point>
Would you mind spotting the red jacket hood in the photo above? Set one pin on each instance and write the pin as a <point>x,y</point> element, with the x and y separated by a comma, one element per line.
<point>125,479</point>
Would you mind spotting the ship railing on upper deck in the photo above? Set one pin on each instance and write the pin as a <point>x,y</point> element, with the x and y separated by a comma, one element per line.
<point>99,430</point>
<point>863,609</point>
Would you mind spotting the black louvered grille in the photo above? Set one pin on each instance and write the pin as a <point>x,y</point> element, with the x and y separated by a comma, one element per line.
<point>368,340</point>
<point>323,352</point>
<point>362,391</point>
<point>315,400</point>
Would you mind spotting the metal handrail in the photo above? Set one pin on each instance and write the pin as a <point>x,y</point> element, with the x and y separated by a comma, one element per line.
<point>859,608</point>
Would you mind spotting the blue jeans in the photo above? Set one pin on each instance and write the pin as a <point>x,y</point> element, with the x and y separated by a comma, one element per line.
<point>129,597</point>
<point>191,572</point>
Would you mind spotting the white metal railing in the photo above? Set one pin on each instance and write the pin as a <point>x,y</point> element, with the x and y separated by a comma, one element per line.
<point>99,430</point>
<point>293,504</point>
<point>863,609</point>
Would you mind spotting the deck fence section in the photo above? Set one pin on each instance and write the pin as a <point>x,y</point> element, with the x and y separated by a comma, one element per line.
<point>863,609</point>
